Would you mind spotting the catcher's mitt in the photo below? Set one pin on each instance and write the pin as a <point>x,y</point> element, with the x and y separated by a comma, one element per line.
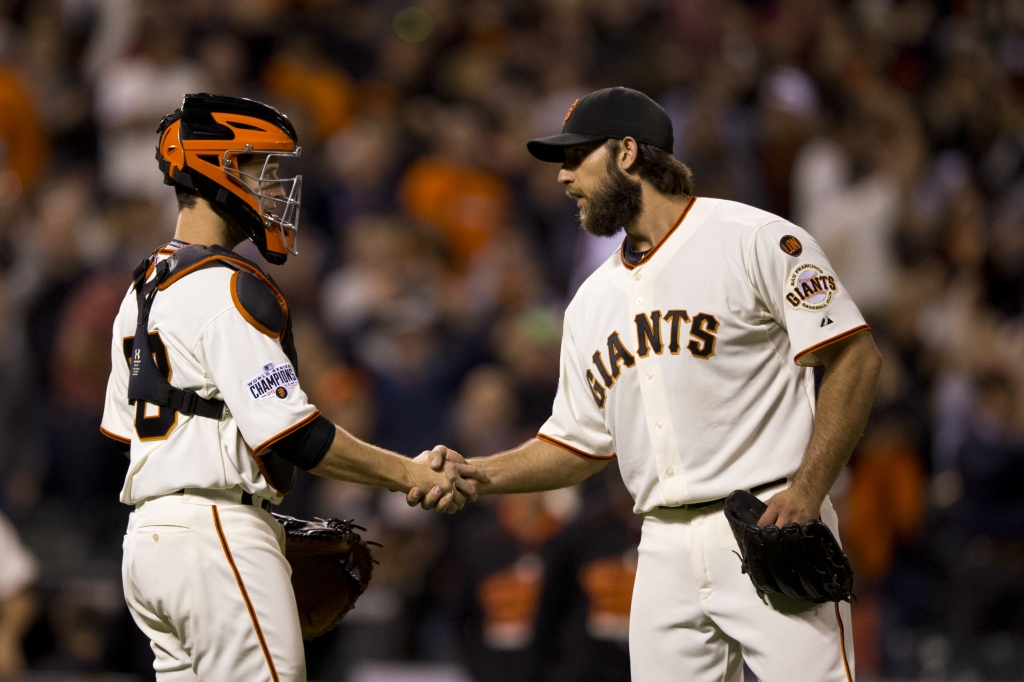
<point>331,567</point>
<point>803,562</point>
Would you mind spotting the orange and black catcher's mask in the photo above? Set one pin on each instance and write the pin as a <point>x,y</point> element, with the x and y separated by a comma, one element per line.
<point>201,148</point>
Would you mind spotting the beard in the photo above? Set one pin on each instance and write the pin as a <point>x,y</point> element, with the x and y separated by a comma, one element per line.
<point>615,204</point>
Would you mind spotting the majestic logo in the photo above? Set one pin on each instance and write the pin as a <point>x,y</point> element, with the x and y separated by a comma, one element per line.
<point>810,288</point>
<point>272,381</point>
<point>791,246</point>
<point>569,113</point>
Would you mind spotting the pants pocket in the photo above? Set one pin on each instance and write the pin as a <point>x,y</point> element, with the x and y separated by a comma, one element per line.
<point>152,532</point>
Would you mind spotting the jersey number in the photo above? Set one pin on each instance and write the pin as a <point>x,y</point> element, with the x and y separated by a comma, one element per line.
<point>158,426</point>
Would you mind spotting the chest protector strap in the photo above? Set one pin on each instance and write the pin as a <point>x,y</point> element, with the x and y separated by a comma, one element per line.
<point>148,384</point>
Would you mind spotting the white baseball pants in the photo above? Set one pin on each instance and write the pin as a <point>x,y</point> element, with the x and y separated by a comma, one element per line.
<point>695,617</point>
<point>206,580</point>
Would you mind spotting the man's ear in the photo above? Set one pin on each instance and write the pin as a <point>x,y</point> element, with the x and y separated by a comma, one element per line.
<point>627,154</point>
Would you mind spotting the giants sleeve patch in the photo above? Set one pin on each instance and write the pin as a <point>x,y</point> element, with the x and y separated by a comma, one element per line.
<point>274,381</point>
<point>810,287</point>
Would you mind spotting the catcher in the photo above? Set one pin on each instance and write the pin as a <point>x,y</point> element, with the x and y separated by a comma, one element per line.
<point>204,398</point>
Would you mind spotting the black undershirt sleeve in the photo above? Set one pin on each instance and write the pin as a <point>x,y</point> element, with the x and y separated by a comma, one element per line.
<point>307,446</point>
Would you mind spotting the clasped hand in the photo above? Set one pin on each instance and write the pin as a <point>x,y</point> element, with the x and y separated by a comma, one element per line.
<point>448,480</point>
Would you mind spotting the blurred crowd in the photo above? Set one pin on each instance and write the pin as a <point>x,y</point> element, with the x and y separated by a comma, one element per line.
<point>437,257</point>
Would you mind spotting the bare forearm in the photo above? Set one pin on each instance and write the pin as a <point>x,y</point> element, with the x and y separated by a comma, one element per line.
<point>844,403</point>
<point>350,459</point>
<point>534,466</point>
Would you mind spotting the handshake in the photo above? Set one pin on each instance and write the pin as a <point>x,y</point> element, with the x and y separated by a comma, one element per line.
<point>445,483</point>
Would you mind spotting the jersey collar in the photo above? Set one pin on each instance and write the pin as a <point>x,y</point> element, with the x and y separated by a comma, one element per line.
<point>650,252</point>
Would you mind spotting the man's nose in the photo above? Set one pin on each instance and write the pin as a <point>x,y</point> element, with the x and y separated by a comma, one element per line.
<point>566,176</point>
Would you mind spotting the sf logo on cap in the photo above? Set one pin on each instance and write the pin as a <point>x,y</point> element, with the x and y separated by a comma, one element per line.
<point>569,113</point>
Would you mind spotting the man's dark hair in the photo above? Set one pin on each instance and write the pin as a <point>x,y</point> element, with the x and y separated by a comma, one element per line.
<point>666,173</point>
<point>186,197</point>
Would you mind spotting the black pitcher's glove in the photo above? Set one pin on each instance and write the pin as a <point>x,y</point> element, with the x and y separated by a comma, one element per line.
<point>803,562</point>
<point>331,567</point>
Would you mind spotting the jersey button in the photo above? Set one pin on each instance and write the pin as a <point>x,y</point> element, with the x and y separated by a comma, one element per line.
<point>639,300</point>
<point>670,472</point>
<point>650,375</point>
<point>637,277</point>
<point>657,425</point>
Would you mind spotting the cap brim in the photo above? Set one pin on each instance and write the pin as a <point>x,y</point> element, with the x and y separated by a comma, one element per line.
<point>553,148</point>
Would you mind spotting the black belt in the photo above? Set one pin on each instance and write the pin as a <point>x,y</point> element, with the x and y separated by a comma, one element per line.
<point>247,498</point>
<point>710,503</point>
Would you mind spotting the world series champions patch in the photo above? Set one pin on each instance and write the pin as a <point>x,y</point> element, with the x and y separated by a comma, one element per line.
<point>810,288</point>
<point>274,381</point>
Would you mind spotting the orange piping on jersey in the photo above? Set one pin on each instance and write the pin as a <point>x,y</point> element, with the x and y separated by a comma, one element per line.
<point>647,256</point>
<point>240,263</point>
<point>290,430</point>
<point>113,436</point>
<point>842,645</point>
<point>245,313</point>
<point>566,446</point>
<point>829,342</point>
<point>245,595</point>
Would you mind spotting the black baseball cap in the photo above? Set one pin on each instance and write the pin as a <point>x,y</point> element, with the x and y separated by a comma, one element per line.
<point>612,113</point>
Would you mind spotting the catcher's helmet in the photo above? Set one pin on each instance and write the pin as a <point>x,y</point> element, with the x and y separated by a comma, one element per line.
<point>199,149</point>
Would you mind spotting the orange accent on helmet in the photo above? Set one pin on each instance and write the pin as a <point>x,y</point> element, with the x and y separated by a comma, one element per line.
<point>199,149</point>
<point>170,148</point>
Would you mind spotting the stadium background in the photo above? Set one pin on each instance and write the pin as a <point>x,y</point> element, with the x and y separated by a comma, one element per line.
<point>437,257</point>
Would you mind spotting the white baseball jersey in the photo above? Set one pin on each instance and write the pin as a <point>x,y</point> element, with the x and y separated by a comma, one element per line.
<point>202,341</point>
<point>693,366</point>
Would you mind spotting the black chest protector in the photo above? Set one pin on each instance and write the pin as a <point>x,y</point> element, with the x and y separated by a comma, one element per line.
<point>147,383</point>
